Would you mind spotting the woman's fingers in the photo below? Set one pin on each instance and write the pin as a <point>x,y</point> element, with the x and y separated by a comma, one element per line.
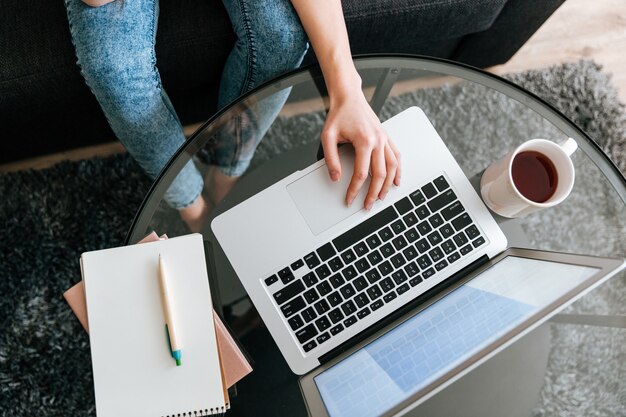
<point>361,170</point>
<point>379,174</point>
<point>331,153</point>
<point>392,166</point>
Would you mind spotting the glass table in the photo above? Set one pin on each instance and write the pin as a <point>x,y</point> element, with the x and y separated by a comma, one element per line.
<point>574,364</point>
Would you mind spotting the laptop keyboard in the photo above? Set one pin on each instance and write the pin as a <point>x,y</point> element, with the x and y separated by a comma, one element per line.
<point>374,263</point>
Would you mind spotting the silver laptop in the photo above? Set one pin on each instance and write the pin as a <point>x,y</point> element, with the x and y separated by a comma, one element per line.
<point>323,275</point>
<point>451,332</point>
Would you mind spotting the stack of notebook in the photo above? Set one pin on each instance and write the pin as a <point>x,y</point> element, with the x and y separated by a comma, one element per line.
<point>134,373</point>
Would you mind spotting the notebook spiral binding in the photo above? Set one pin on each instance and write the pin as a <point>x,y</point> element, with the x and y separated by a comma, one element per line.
<point>202,413</point>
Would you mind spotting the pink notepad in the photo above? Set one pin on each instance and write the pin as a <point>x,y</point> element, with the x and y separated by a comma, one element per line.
<point>234,364</point>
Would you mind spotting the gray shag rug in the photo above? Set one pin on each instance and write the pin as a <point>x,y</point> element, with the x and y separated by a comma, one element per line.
<point>49,217</point>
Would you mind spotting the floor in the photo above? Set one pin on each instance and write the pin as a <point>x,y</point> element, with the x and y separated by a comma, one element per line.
<point>579,29</point>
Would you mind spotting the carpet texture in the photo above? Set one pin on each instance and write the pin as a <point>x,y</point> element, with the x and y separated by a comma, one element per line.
<point>49,217</point>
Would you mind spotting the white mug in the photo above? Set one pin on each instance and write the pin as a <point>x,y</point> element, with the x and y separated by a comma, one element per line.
<point>502,196</point>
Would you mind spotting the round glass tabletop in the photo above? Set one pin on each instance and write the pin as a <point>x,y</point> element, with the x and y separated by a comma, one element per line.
<point>274,131</point>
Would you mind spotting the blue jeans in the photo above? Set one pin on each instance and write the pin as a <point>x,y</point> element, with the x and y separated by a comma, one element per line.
<point>114,45</point>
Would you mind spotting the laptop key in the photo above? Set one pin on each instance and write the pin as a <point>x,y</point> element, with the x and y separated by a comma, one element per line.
<point>269,281</point>
<point>336,280</point>
<point>324,288</point>
<point>403,205</point>
<point>428,273</point>
<point>411,235</point>
<point>373,241</point>
<point>446,230</point>
<point>441,183</point>
<point>309,346</point>
<point>322,271</point>
<point>434,238</point>
<point>288,292</point>
<point>472,232</point>
<point>349,321</point>
<point>424,228</point>
<point>466,249</point>
<point>385,234</point>
<point>335,264</point>
<point>478,242</point>
<point>363,313</point>
<point>429,190</point>
<point>311,296</point>
<point>334,299</point>
<point>374,257</point>
<point>410,219</point>
<point>365,228</point>
<point>440,265</point>
<point>374,292</point>
<point>361,249</point>
<point>361,300</point>
<point>326,252</point>
<point>309,279</point>
<point>411,269</point>
<point>349,273</point>
<point>306,333</point>
<point>452,210</point>
<point>376,305</point>
<point>312,260</point>
<point>293,306</point>
<point>286,276</point>
<point>399,242</point>
<point>297,264</point>
<point>436,220</point>
<point>398,260</point>
<point>424,261</point>
<point>387,250</point>
<point>402,289</point>
<point>348,256</point>
<point>389,297</point>
<point>410,253</point>
<point>414,281</point>
<point>295,322</point>
<point>436,254</point>
<point>336,315</point>
<point>322,338</point>
<point>308,314</point>
<point>448,247</point>
<point>422,212</point>
<point>422,245</point>
<point>398,226</point>
<point>362,265</point>
<point>454,257</point>
<point>348,307</point>
<point>461,222</point>
<point>347,291</point>
<point>399,276</point>
<point>360,284</point>
<point>321,307</point>
<point>417,197</point>
<point>460,239</point>
<point>322,323</point>
<point>441,200</point>
<point>336,330</point>
<point>385,268</point>
<point>372,276</point>
<point>387,284</point>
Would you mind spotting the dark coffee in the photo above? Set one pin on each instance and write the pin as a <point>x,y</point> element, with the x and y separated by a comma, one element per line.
<point>534,175</point>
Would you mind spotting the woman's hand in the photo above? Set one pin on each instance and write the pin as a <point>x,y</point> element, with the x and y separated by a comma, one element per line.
<point>351,119</point>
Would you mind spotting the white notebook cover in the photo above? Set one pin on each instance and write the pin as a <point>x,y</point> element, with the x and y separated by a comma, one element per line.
<point>134,373</point>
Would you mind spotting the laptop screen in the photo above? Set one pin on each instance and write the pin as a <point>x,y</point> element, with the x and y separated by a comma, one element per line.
<point>406,359</point>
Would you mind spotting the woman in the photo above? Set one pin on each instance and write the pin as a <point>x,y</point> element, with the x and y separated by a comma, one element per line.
<point>114,44</point>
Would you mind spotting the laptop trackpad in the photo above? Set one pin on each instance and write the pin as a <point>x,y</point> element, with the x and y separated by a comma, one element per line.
<point>322,202</point>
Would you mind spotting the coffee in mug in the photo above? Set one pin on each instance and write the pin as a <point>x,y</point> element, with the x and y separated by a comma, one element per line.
<point>536,175</point>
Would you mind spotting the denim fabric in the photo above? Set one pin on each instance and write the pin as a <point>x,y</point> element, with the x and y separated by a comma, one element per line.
<point>114,45</point>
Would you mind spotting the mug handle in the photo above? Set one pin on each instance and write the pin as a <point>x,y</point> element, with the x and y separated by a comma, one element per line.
<point>569,146</point>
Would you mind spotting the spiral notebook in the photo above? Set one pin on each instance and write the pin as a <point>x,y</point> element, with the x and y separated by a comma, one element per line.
<point>134,374</point>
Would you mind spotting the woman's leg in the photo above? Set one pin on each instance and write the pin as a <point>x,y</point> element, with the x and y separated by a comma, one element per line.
<point>270,41</point>
<point>115,49</point>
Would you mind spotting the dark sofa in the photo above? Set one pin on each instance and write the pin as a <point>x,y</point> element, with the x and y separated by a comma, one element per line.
<point>46,107</point>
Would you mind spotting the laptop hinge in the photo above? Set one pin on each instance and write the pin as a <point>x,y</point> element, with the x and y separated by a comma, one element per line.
<point>385,321</point>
